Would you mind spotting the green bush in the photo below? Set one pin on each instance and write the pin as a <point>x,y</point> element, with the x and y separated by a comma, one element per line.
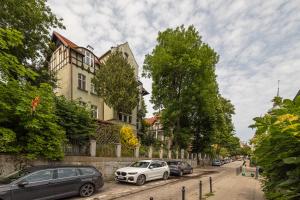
<point>277,150</point>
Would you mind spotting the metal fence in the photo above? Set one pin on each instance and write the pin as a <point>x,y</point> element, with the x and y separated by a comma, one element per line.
<point>76,148</point>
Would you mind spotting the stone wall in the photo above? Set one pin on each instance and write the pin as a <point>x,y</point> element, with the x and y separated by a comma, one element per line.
<point>107,166</point>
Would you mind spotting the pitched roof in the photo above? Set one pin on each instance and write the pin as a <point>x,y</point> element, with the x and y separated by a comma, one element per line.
<point>64,40</point>
<point>151,120</point>
<point>102,56</point>
<point>298,94</point>
<point>109,51</point>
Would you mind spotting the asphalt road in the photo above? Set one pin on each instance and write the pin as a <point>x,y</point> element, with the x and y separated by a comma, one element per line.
<point>164,189</point>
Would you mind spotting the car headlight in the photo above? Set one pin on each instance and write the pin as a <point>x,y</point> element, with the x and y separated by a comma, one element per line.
<point>132,173</point>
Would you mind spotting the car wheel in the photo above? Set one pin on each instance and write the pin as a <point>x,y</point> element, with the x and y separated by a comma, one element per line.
<point>87,190</point>
<point>166,176</point>
<point>181,173</point>
<point>141,179</point>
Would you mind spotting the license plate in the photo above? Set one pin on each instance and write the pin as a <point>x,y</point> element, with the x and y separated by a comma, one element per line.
<point>120,177</point>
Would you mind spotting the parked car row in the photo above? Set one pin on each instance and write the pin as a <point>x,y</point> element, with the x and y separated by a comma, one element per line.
<point>70,180</point>
<point>220,162</point>
<point>146,170</point>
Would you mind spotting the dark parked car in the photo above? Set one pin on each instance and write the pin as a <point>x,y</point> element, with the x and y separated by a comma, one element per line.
<point>50,182</point>
<point>216,163</point>
<point>179,168</point>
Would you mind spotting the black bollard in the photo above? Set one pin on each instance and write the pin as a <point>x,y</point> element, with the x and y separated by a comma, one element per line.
<point>200,190</point>
<point>183,193</point>
<point>151,198</point>
<point>210,184</point>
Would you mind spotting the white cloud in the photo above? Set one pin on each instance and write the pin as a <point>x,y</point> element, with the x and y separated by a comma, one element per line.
<point>258,41</point>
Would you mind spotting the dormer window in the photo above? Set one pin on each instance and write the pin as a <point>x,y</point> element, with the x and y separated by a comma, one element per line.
<point>88,58</point>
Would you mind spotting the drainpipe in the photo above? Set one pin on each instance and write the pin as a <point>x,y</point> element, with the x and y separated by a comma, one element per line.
<point>71,73</point>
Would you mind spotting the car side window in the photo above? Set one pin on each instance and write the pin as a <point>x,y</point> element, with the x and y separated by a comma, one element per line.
<point>155,165</point>
<point>42,175</point>
<point>66,172</point>
<point>87,171</point>
<point>158,164</point>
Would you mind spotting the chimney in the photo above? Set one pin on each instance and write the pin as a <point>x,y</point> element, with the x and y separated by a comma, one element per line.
<point>89,47</point>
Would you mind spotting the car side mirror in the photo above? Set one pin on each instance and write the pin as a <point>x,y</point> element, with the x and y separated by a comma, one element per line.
<point>23,183</point>
<point>150,167</point>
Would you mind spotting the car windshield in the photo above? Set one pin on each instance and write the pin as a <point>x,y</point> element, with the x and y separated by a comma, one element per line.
<point>173,163</point>
<point>140,164</point>
<point>13,176</point>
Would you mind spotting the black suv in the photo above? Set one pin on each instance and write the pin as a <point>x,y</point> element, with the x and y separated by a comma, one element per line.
<point>50,182</point>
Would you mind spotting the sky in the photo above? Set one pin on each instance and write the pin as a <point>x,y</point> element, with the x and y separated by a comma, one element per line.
<point>258,42</point>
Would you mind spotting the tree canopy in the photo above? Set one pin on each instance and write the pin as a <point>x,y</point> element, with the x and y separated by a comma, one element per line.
<point>34,20</point>
<point>116,83</point>
<point>184,88</point>
<point>75,119</point>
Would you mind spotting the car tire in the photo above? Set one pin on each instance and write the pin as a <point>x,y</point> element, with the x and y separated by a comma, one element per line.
<point>87,190</point>
<point>141,179</point>
<point>180,173</point>
<point>166,175</point>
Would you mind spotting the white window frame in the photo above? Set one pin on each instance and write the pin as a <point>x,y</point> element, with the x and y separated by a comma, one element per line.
<point>93,90</point>
<point>88,58</point>
<point>94,110</point>
<point>81,81</point>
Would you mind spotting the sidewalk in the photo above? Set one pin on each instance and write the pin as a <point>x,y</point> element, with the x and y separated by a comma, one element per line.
<point>235,187</point>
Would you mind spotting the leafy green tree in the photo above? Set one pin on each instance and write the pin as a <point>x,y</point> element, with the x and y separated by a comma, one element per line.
<point>33,132</point>
<point>277,149</point>
<point>115,82</point>
<point>34,20</point>
<point>38,133</point>
<point>245,150</point>
<point>224,129</point>
<point>75,119</point>
<point>10,68</point>
<point>233,145</point>
<point>179,66</point>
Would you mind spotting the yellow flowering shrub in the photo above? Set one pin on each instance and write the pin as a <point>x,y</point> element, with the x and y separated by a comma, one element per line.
<point>128,137</point>
<point>287,117</point>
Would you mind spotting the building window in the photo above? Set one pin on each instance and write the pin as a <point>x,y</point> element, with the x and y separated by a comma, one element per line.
<point>94,111</point>
<point>129,119</point>
<point>88,58</point>
<point>81,81</point>
<point>93,89</point>
<point>126,55</point>
<point>125,118</point>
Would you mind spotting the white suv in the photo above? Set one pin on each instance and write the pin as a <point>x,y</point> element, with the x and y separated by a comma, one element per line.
<point>142,171</point>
